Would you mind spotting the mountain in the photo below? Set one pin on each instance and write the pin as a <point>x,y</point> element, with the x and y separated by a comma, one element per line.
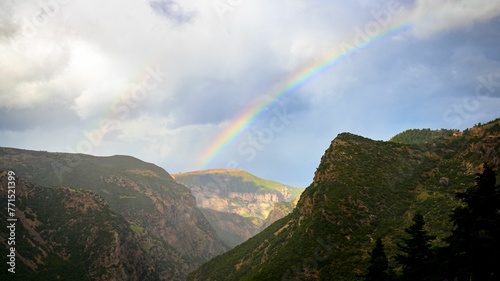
<point>77,238</point>
<point>280,209</point>
<point>362,190</point>
<point>236,203</point>
<point>232,229</point>
<point>172,232</point>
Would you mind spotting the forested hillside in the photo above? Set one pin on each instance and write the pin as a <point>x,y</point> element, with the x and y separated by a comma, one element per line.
<point>172,232</point>
<point>363,190</point>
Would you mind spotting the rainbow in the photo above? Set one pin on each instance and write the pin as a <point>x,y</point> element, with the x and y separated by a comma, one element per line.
<point>289,85</point>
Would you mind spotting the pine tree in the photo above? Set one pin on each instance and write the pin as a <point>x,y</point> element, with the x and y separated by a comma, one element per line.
<point>474,242</point>
<point>379,265</point>
<point>416,252</point>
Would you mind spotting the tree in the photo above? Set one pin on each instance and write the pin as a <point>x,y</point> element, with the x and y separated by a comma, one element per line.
<point>379,265</point>
<point>474,242</point>
<point>416,254</point>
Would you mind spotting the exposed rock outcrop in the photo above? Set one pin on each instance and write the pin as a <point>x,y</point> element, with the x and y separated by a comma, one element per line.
<point>237,203</point>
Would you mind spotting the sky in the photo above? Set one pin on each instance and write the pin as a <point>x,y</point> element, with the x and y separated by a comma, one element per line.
<point>263,86</point>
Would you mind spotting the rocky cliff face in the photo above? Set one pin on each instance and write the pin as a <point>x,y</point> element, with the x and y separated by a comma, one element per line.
<point>241,203</point>
<point>235,202</point>
<point>236,191</point>
<point>163,213</point>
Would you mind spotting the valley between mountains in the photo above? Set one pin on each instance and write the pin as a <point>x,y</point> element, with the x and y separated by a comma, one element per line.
<point>119,218</point>
<point>82,217</point>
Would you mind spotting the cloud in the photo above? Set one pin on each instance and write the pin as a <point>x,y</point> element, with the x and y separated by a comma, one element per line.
<point>30,78</point>
<point>83,57</point>
<point>97,99</point>
<point>171,10</point>
<point>7,26</point>
<point>442,16</point>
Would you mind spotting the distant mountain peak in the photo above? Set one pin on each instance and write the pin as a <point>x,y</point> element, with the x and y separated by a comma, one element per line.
<point>230,198</point>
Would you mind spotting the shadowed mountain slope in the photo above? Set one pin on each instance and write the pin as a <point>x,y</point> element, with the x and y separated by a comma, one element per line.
<point>175,235</point>
<point>70,234</point>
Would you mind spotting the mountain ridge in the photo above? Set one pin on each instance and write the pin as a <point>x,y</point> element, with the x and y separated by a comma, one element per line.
<point>143,193</point>
<point>362,190</point>
<point>244,175</point>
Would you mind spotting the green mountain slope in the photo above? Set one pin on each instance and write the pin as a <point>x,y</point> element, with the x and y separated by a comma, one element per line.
<point>175,235</point>
<point>362,189</point>
<point>421,136</point>
<point>236,203</point>
<point>77,238</point>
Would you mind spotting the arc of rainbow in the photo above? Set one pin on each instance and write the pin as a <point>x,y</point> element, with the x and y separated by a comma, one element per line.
<point>290,85</point>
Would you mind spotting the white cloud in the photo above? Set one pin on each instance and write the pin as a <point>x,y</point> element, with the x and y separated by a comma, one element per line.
<point>29,78</point>
<point>441,16</point>
<point>7,27</point>
<point>51,70</point>
<point>97,98</point>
